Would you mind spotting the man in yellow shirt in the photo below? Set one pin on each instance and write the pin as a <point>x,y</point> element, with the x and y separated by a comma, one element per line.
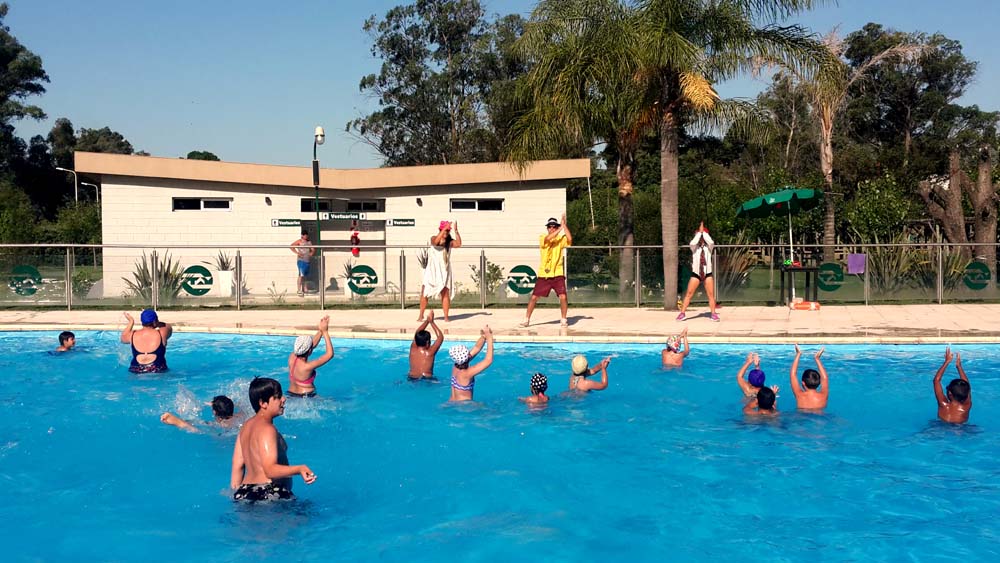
<point>550,273</point>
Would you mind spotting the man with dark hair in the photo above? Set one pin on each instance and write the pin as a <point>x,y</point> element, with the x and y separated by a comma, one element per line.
<point>551,273</point>
<point>66,341</point>
<point>222,407</point>
<point>304,251</point>
<point>260,468</point>
<point>763,404</point>
<point>422,352</point>
<point>956,405</point>
<point>814,391</point>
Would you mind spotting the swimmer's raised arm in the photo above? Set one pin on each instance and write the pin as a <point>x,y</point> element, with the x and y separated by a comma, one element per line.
<point>938,391</point>
<point>744,385</point>
<point>328,353</point>
<point>127,331</point>
<point>479,343</point>
<point>687,345</point>
<point>961,374</point>
<point>793,373</point>
<point>603,366</point>
<point>824,383</point>
<point>438,335</point>
<point>488,360</point>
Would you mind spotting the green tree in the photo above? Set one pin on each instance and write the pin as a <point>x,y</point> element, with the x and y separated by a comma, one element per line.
<point>443,65</point>
<point>201,155</point>
<point>103,140</point>
<point>17,224</point>
<point>62,142</point>
<point>678,48</point>
<point>21,76</point>
<point>77,224</point>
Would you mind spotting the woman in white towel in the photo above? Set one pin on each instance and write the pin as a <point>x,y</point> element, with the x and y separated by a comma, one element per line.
<point>702,246</point>
<point>437,275</point>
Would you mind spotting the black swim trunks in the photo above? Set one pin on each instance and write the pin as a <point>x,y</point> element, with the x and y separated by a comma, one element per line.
<point>301,395</point>
<point>258,492</point>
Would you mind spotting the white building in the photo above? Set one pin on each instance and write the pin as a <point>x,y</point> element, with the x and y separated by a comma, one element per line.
<point>161,202</point>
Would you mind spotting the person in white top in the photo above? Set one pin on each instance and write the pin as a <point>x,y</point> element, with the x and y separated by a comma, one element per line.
<point>437,275</point>
<point>702,246</point>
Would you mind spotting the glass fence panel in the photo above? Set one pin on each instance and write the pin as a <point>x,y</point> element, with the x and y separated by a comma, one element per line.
<point>110,278</point>
<point>185,277</point>
<point>368,278</point>
<point>901,274</point>
<point>967,275</point>
<point>510,276</point>
<point>594,276</point>
<point>270,278</point>
<point>34,278</point>
<point>651,277</point>
<point>743,274</point>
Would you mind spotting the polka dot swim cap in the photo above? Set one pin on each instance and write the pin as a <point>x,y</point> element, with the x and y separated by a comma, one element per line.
<point>539,383</point>
<point>459,354</point>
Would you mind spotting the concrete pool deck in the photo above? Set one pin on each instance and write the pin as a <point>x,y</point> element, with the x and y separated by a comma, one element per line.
<point>752,324</point>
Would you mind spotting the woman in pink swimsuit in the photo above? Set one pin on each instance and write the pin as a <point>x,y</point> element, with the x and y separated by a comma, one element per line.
<point>301,371</point>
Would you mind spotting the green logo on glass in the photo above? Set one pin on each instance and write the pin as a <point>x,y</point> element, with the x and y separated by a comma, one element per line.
<point>830,276</point>
<point>24,280</point>
<point>197,280</point>
<point>521,279</point>
<point>364,280</point>
<point>977,276</point>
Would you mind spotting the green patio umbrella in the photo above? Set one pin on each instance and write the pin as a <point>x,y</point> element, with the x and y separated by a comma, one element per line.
<point>784,202</point>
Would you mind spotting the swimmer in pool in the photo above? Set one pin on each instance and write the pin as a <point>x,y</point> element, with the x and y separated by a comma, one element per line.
<point>677,349</point>
<point>149,343</point>
<point>815,386</point>
<point>956,405</point>
<point>301,371</point>
<point>422,352</point>
<point>581,370</point>
<point>66,341</point>
<point>539,384</point>
<point>260,469</point>
<point>762,404</point>
<point>222,407</point>
<point>755,381</point>
<point>463,376</point>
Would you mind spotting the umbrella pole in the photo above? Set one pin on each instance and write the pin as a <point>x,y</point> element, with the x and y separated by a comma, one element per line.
<point>791,250</point>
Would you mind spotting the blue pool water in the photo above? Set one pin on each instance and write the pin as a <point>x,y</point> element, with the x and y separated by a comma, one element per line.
<point>660,466</point>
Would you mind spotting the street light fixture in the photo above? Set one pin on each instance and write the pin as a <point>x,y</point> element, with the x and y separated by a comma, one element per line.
<point>318,137</point>
<point>76,183</point>
<point>97,190</point>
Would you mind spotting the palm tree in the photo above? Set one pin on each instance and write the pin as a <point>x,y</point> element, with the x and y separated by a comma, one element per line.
<point>663,54</point>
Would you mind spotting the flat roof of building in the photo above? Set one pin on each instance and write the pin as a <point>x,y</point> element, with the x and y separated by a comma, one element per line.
<point>334,178</point>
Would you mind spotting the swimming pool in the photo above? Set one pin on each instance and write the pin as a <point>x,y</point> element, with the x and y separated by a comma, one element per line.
<point>661,465</point>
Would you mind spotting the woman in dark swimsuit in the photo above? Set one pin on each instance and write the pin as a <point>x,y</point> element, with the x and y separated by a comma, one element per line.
<point>149,343</point>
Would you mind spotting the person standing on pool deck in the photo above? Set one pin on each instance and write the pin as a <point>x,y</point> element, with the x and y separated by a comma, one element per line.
<point>302,372</point>
<point>956,405</point>
<point>304,251</point>
<point>755,381</point>
<point>815,387</point>
<point>66,341</point>
<point>676,350</point>
<point>149,343</point>
<point>422,352</point>
<point>463,377</point>
<point>551,275</point>
<point>578,381</point>
<point>260,457</point>
<point>438,279</point>
<point>702,246</point>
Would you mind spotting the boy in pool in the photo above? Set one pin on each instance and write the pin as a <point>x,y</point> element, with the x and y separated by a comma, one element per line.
<point>422,352</point>
<point>66,341</point>
<point>222,407</point>
<point>677,349</point>
<point>755,381</point>
<point>815,385</point>
<point>578,381</point>
<point>539,384</point>
<point>956,405</point>
<point>260,460</point>
<point>762,404</point>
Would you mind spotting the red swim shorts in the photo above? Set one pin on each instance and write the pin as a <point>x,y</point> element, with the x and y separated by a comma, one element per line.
<point>544,286</point>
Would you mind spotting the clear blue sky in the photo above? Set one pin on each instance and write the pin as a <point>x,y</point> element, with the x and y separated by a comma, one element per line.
<point>248,79</point>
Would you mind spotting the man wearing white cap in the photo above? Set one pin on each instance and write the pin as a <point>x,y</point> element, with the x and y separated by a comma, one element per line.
<point>301,371</point>
<point>551,275</point>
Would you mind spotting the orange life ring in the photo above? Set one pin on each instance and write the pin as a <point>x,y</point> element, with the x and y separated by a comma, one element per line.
<point>805,306</point>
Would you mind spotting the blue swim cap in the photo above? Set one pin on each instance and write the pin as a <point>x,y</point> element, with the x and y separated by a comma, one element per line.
<point>148,317</point>
<point>756,377</point>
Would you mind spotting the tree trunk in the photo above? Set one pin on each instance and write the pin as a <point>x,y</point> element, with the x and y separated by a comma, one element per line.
<point>626,225</point>
<point>826,165</point>
<point>945,203</point>
<point>984,206</point>
<point>669,221</point>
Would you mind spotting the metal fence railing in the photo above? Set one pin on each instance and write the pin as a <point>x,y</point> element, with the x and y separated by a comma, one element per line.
<point>248,276</point>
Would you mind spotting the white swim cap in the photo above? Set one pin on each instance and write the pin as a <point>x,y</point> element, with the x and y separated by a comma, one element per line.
<point>579,365</point>
<point>303,345</point>
<point>459,354</point>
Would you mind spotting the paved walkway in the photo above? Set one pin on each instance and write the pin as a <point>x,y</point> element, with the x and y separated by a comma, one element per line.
<point>876,324</point>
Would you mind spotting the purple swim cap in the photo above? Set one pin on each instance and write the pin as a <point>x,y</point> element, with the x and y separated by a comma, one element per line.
<point>756,377</point>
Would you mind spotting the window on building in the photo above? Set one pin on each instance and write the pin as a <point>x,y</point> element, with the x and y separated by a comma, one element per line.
<point>202,204</point>
<point>374,205</point>
<point>477,204</point>
<point>309,205</point>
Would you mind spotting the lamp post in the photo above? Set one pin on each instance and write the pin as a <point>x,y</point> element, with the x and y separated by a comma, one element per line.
<point>97,191</point>
<point>76,183</point>
<point>318,137</point>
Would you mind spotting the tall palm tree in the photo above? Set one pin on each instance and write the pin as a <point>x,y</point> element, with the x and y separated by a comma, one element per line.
<point>656,60</point>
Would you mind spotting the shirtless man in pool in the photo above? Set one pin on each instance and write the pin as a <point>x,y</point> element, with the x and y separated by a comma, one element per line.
<point>260,462</point>
<point>422,352</point>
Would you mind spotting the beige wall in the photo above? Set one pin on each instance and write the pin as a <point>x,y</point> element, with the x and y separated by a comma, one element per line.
<point>139,211</point>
